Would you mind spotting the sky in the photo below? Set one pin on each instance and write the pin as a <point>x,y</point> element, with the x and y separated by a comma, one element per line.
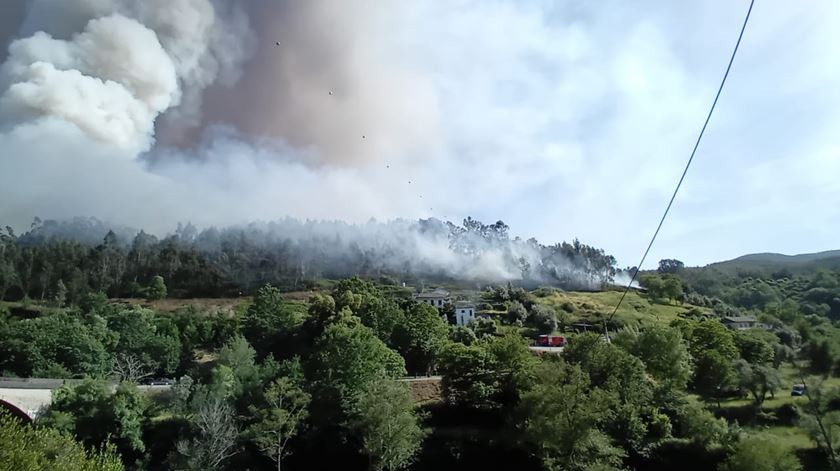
<point>564,119</point>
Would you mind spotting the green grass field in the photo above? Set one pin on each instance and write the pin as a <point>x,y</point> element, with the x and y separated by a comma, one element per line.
<point>592,307</point>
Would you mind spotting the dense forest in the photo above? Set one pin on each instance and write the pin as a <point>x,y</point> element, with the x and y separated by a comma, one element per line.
<point>69,258</point>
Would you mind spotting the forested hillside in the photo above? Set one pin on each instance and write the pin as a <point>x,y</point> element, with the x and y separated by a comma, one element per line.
<point>69,258</point>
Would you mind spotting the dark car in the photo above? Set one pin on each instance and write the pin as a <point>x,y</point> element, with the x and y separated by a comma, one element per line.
<point>798,390</point>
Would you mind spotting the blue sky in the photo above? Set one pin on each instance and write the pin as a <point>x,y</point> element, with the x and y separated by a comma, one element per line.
<point>564,119</point>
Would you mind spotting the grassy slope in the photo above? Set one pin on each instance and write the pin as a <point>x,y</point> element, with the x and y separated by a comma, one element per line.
<point>636,310</point>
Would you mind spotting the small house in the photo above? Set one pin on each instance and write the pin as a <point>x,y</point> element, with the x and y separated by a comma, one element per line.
<point>464,313</point>
<point>436,298</point>
<point>740,322</point>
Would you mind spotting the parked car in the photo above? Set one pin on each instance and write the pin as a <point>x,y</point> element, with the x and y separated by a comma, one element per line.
<point>157,382</point>
<point>798,390</point>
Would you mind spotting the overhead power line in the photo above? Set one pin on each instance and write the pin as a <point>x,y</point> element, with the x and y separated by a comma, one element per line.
<point>687,165</point>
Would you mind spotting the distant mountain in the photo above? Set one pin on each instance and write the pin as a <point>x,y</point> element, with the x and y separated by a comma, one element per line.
<point>829,259</point>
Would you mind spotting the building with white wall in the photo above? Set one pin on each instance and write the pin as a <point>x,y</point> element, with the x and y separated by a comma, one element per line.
<point>436,298</point>
<point>464,313</point>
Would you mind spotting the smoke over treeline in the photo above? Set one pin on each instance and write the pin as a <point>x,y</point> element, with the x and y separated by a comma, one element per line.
<point>83,255</point>
<point>151,112</point>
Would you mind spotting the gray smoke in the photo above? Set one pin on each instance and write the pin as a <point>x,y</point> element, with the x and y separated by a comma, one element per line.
<point>221,113</point>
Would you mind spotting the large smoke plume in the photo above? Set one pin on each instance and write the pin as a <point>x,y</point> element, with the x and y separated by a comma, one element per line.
<point>148,113</point>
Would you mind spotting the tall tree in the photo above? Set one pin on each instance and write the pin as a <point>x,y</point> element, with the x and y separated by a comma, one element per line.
<point>347,357</point>
<point>214,431</point>
<point>665,355</point>
<point>759,380</point>
<point>560,417</point>
<point>280,420</point>
<point>421,338</point>
<point>388,425</point>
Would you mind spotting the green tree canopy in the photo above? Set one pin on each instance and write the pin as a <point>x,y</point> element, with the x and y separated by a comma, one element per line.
<point>27,448</point>
<point>665,355</point>
<point>560,417</point>
<point>421,338</point>
<point>347,357</point>
<point>388,425</point>
<point>761,452</point>
<point>57,344</point>
<point>270,322</point>
<point>97,416</point>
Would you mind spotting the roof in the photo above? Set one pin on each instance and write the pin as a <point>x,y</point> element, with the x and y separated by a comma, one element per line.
<point>464,304</point>
<point>739,319</point>
<point>438,293</point>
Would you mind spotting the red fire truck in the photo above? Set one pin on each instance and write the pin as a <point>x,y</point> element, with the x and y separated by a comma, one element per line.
<point>551,341</point>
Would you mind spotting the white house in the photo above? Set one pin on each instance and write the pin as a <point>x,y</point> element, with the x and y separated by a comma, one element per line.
<point>436,298</point>
<point>464,313</point>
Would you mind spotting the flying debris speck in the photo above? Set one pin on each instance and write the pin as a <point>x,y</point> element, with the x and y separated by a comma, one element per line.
<point>331,92</point>
<point>277,43</point>
<point>409,182</point>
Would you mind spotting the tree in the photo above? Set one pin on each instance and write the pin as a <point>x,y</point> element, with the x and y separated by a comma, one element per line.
<point>421,338</point>
<point>57,344</point>
<point>238,355</point>
<point>760,452</point>
<point>517,314</point>
<point>821,354</point>
<point>713,374</point>
<point>543,318</point>
<point>462,334</point>
<point>347,357</point>
<point>560,417</point>
<point>270,322</point>
<point>27,448</point>
<point>156,290</point>
<point>622,378</point>
<point>129,368</point>
<point>60,296</point>
<point>665,355</point>
<point>468,376</point>
<point>759,380</point>
<point>669,265</point>
<point>756,346</point>
<point>654,286</point>
<point>672,288</point>
<point>140,337</point>
<point>388,425</point>
<point>820,421</point>
<point>512,364</point>
<point>281,419</point>
<point>714,350</point>
<point>214,431</point>
<point>97,417</point>
<point>484,327</point>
